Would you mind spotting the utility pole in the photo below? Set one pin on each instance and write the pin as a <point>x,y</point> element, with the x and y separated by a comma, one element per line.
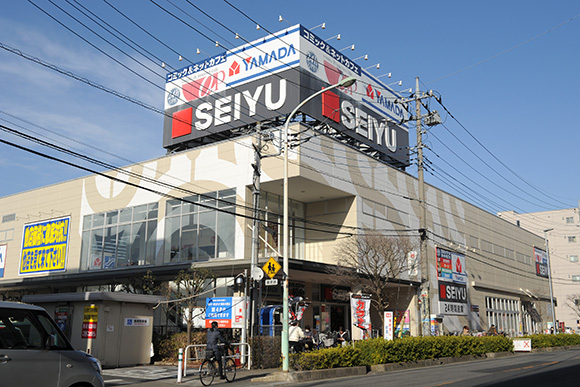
<point>425,285</point>
<point>257,166</point>
<point>424,290</point>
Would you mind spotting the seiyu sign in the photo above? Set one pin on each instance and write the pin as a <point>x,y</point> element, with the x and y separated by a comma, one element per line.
<point>452,282</point>
<point>268,78</point>
<point>541,259</point>
<point>234,107</point>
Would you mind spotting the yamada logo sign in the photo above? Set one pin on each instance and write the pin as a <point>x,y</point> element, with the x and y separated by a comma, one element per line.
<point>380,101</point>
<point>207,84</point>
<point>353,117</point>
<point>263,60</point>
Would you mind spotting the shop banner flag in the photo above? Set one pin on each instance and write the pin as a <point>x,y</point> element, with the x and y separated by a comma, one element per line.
<point>360,305</point>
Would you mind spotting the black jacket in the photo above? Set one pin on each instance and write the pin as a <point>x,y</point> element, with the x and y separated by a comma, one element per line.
<point>214,337</point>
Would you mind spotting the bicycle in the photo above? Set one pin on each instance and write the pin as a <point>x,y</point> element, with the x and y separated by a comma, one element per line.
<point>209,369</point>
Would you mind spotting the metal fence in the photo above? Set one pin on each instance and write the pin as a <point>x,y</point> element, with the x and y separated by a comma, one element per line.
<point>196,353</point>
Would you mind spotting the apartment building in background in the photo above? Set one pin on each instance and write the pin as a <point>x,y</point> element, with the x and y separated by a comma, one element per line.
<point>561,228</point>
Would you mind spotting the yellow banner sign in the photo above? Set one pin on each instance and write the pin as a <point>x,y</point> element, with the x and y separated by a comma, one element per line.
<point>45,246</point>
<point>91,313</point>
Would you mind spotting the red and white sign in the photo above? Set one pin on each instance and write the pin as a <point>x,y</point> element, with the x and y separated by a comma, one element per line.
<point>522,345</point>
<point>89,330</point>
<point>361,311</point>
<point>388,332</point>
<point>452,282</point>
<point>255,60</point>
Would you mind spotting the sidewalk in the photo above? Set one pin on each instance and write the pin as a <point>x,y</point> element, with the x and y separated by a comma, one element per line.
<point>159,375</point>
<point>166,375</point>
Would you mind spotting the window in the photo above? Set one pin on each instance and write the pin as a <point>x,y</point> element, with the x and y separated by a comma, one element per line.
<point>272,233</point>
<point>29,330</point>
<point>195,230</point>
<point>486,246</point>
<point>509,253</point>
<point>569,220</point>
<point>119,238</point>
<point>6,235</point>
<point>576,278</point>
<point>573,258</point>
<point>572,239</point>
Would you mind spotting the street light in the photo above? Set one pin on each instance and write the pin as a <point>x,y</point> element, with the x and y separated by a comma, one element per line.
<point>550,279</point>
<point>346,82</point>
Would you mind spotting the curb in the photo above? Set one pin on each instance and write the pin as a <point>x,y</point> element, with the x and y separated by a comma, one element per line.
<point>307,376</point>
<point>433,362</point>
<point>551,349</point>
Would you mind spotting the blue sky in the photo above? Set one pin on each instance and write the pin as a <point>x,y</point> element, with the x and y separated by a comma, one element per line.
<point>507,71</point>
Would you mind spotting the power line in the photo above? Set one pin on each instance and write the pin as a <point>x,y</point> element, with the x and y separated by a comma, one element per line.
<point>495,157</point>
<point>505,51</point>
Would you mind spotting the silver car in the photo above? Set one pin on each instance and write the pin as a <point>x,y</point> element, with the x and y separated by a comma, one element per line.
<point>34,352</point>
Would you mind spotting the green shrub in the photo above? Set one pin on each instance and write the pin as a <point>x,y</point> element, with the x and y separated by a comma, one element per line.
<point>327,358</point>
<point>266,351</point>
<point>559,340</point>
<point>379,351</point>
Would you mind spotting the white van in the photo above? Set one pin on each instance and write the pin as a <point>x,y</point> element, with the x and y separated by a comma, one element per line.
<point>34,352</point>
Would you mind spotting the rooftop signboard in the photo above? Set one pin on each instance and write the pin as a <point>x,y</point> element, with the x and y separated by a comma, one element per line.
<point>268,78</point>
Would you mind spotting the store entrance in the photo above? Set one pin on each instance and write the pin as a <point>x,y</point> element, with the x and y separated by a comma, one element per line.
<point>338,318</point>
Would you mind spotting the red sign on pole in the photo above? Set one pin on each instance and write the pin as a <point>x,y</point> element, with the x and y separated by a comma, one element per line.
<point>89,330</point>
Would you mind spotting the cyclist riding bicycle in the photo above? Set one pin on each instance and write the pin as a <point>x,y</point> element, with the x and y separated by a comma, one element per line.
<point>214,337</point>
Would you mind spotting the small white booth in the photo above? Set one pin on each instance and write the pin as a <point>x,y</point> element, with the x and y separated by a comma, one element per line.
<point>117,328</point>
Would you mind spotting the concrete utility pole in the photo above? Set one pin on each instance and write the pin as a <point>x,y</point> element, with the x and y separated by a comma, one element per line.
<point>425,286</point>
<point>257,166</point>
<point>432,118</point>
<point>550,279</point>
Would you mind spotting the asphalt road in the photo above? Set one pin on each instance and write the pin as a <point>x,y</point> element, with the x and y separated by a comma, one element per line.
<point>547,369</point>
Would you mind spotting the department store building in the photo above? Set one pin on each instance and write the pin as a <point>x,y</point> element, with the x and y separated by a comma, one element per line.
<point>346,176</point>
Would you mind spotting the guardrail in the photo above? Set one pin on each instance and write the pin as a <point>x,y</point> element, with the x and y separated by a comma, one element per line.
<point>244,355</point>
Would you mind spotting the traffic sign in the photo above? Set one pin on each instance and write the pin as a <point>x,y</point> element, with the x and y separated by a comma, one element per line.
<point>272,282</point>
<point>271,267</point>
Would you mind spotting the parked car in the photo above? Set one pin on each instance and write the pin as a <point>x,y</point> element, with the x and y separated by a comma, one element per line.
<point>34,351</point>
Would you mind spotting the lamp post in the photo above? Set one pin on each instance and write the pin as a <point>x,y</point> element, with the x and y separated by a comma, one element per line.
<point>550,279</point>
<point>346,82</point>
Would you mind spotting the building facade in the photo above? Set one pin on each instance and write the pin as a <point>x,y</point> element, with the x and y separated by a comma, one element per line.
<point>346,178</point>
<point>560,228</point>
<point>194,208</point>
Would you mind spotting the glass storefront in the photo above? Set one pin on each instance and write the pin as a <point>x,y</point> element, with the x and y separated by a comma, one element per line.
<point>271,233</point>
<point>119,238</point>
<point>196,231</point>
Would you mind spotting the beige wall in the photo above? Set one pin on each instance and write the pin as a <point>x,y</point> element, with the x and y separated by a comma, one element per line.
<point>565,270</point>
<point>338,185</point>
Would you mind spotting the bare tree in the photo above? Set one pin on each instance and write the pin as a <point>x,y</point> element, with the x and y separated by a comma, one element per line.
<point>573,302</point>
<point>189,285</point>
<point>370,261</point>
<point>142,284</point>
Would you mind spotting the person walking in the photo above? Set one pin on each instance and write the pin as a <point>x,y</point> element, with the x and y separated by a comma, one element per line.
<point>492,331</point>
<point>214,337</point>
<point>465,331</point>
